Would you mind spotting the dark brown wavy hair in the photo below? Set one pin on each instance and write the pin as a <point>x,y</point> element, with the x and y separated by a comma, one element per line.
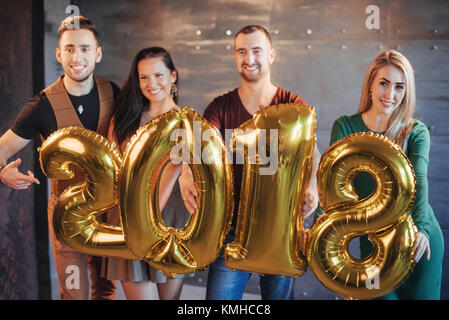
<point>130,102</point>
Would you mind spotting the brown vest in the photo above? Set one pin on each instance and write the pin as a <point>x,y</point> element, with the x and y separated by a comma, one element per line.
<point>66,116</point>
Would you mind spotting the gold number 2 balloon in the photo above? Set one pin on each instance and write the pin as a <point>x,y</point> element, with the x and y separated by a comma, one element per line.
<point>383,216</point>
<point>75,215</point>
<point>171,250</point>
<point>135,181</point>
<point>270,224</point>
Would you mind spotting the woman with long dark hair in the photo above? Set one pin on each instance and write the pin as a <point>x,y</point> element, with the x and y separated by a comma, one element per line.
<point>150,90</point>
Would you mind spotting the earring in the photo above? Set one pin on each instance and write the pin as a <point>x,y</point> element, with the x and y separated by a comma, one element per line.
<point>370,96</point>
<point>174,89</point>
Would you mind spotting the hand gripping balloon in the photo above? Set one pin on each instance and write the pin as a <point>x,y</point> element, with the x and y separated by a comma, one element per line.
<point>383,216</point>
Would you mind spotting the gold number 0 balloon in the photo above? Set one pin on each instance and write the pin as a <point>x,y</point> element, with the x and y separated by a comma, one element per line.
<point>383,216</point>
<point>75,215</point>
<point>171,250</point>
<point>270,224</point>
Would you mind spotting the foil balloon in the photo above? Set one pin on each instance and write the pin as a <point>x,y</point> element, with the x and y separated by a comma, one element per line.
<point>382,216</point>
<point>76,212</point>
<point>270,226</point>
<point>186,135</point>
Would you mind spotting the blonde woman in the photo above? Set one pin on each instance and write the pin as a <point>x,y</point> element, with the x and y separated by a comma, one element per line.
<point>386,107</point>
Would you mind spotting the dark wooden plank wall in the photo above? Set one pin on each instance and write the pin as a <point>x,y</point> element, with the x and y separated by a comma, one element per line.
<point>18,258</point>
<point>323,52</point>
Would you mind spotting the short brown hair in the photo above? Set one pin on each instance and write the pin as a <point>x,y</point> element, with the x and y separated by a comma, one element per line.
<point>69,23</point>
<point>253,28</point>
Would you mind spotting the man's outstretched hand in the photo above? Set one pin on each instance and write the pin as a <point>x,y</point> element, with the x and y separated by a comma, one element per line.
<point>13,178</point>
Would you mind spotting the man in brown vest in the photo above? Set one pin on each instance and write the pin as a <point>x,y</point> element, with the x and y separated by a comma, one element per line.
<point>76,99</point>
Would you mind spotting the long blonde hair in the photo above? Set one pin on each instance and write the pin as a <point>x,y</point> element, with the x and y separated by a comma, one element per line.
<point>401,120</point>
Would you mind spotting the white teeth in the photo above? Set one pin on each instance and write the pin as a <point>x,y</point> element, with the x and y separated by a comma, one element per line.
<point>388,104</point>
<point>251,68</point>
<point>78,67</point>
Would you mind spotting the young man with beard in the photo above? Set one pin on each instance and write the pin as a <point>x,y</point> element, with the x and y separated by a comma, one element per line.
<point>78,98</point>
<point>254,55</point>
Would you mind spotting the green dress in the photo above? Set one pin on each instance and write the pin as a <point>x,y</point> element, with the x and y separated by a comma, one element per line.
<point>424,283</point>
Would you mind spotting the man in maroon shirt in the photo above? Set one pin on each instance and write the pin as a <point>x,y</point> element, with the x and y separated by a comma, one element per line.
<point>254,55</point>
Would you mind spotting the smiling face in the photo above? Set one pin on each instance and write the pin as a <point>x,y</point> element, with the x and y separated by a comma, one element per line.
<point>78,52</point>
<point>155,80</point>
<point>387,89</point>
<point>253,55</point>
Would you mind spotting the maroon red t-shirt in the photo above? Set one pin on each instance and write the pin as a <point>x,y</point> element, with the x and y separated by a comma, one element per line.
<point>227,112</point>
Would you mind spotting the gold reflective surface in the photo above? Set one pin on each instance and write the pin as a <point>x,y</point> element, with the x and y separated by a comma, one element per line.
<point>76,212</point>
<point>197,244</point>
<point>382,216</point>
<point>270,224</point>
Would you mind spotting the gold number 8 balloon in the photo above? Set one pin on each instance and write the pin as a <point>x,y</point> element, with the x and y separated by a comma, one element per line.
<point>383,216</point>
<point>134,184</point>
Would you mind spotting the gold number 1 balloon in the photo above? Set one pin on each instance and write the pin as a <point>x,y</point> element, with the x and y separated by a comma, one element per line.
<point>75,215</point>
<point>270,224</point>
<point>383,216</point>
